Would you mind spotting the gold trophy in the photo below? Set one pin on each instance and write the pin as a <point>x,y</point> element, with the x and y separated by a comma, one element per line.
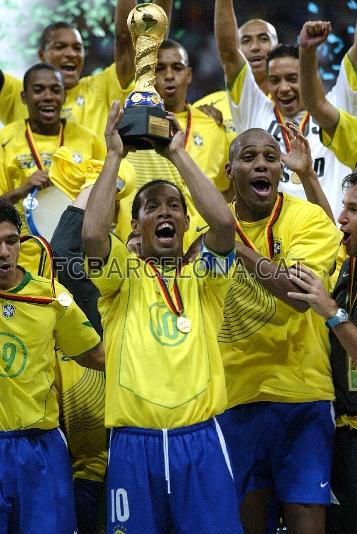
<point>144,112</point>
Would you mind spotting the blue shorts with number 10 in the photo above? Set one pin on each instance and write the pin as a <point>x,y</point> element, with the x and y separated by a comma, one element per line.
<point>180,479</point>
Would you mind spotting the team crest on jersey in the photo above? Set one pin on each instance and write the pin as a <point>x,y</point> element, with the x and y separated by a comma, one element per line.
<point>77,158</point>
<point>80,100</point>
<point>277,247</point>
<point>197,139</point>
<point>8,310</point>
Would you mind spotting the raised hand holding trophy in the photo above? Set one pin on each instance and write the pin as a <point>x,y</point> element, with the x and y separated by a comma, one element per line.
<point>144,120</point>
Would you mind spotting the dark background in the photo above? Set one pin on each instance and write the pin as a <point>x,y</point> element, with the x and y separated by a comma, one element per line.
<point>192,26</point>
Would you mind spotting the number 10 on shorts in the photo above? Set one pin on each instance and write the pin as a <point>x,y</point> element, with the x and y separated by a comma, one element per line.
<point>119,505</point>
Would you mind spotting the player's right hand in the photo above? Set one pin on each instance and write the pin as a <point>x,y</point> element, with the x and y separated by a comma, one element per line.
<point>112,138</point>
<point>38,179</point>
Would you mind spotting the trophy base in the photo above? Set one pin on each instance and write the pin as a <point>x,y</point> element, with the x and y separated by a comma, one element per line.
<point>143,125</point>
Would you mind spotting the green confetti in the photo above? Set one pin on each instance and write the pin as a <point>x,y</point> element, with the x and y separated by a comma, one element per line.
<point>179,33</point>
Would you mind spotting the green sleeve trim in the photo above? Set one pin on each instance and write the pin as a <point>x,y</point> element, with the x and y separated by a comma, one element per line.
<point>240,70</point>
<point>87,323</point>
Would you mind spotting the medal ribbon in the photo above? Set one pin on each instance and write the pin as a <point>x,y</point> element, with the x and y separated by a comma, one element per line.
<point>268,229</point>
<point>302,126</point>
<point>29,299</point>
<point>351,299</point>
<point>176,309</point>
<point>32,146</point>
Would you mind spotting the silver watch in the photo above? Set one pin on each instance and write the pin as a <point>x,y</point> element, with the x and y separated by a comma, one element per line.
<point>340,317</point>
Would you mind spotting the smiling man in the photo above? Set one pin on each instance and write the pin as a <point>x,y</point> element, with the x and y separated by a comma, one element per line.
<point>88,97</point>
<point>36,490</point>
<point>165,378</point>
<point>340,314</point>
<point>27,146</point>
<point>251,108</point>
<point>275,349</point>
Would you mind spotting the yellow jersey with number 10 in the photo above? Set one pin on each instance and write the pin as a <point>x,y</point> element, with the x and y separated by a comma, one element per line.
<point>157,376</point>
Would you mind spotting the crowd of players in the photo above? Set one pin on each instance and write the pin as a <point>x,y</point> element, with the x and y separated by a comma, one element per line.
<point>203,376</point>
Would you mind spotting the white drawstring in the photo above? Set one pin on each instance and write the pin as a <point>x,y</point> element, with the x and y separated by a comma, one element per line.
<point>222,442</point>
<point>166,459</point>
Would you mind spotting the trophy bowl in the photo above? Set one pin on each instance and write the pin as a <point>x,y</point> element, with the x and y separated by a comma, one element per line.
<point>144,122</point>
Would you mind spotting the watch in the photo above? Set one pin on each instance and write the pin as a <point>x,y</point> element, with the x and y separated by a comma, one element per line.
<point>340,317</point>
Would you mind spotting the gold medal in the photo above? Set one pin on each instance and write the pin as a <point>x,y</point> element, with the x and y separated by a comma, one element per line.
<point>184,324</point>
<point>65,299</point>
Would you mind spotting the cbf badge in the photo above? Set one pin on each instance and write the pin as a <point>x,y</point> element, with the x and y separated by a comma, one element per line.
<point>197,139</point>
<point>8,310</point>
<point>277,248</point>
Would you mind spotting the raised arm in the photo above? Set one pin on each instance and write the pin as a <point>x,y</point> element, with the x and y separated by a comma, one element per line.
<point>226,33</point>
<point>312,91</point>
<point>299,160</point>
<point>100,208</point>
<point>124,51</point>
<point>207,199</point>
<point>352,53</point>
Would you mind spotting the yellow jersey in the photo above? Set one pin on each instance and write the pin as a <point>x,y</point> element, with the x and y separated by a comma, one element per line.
<point>69,175</point>
<point>271,352</point>
<point>87,103</point>
<point>81,396</point>
<point>18,165</point>
<point>28,336</point>
<point>344,141</point>
<point>157,376</point>
<point>219,100</point>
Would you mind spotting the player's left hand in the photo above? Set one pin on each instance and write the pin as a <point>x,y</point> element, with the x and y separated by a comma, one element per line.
<point>299,158</point>
<point>112,138</point>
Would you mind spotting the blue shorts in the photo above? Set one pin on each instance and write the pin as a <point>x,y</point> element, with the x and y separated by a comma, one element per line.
<point>286,447</point>
<point>36,489</point>
<point>163,480</point>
